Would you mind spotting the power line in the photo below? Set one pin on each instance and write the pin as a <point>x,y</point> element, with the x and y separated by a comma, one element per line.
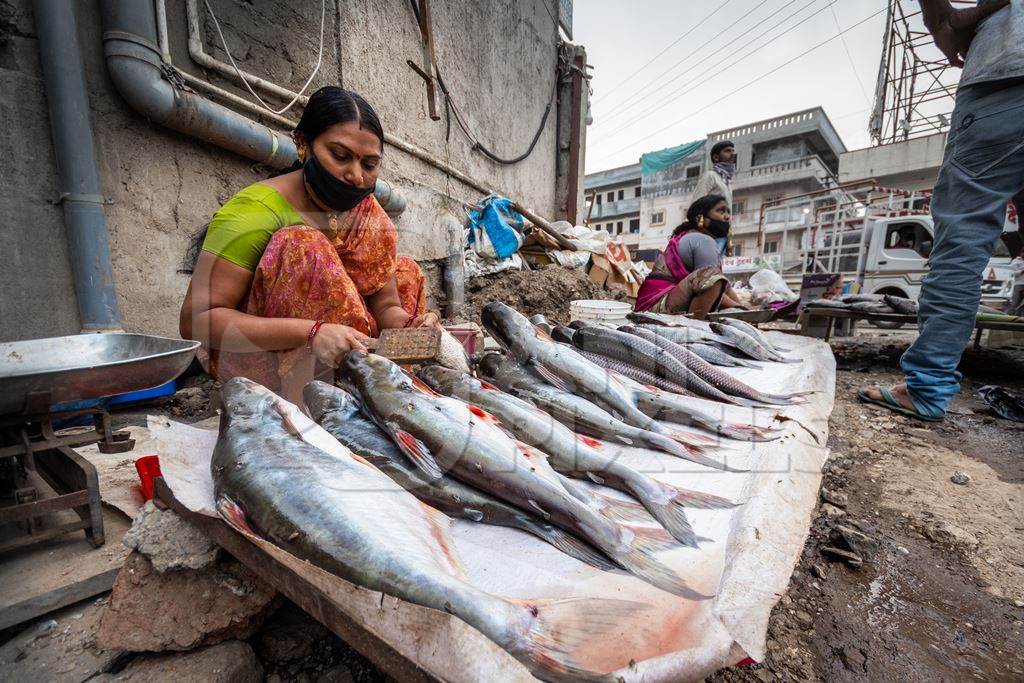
<point>669,47</point>
<point>692,84</point>
<point>685,87</point>
<point>754,80</point>
<point>628,102</point>
<point>849,57</point>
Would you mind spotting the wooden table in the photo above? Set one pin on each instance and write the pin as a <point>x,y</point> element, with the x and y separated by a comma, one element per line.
<point>833,314</point>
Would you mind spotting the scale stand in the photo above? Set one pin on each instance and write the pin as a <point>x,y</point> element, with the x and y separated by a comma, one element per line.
<point>30,444</point>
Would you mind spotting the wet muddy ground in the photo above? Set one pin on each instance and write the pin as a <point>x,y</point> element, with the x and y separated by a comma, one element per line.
<point>939,593</point>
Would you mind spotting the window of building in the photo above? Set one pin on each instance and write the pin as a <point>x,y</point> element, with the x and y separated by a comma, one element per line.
<point>737,249</point>
<point>618,228</point>
<point>598,200</point>
<point>658,218</point>
<point>739,207</point>
<point>772,198</point>
<point>634,225</point>
<point>692,171</point>
<point>636,191</point>
<point>771,247</point>
<point>622,194</point>
<point>611,197</point>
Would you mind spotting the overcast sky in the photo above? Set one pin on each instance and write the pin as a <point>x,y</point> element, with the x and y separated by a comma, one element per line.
<point>666,102</point>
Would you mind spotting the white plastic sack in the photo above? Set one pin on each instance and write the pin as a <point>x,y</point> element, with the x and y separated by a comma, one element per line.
<point>570,259</point>
<point>767,285</point>
<point>477,265</point>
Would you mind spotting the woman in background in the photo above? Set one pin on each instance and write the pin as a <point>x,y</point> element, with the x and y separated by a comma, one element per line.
<point>687,277</point>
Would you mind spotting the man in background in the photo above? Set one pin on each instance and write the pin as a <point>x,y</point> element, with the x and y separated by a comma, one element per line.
<point>718,178</point>
<point>983,167</point>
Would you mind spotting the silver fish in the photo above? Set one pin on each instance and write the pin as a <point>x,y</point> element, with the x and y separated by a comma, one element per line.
<point>561,365</point>
<point>442,434</point>
<point>574,455</point>
<point>827,303</point>
<point>327,508</point>
<point>749,345</point>
<point>635,373</point>
<point>667,320</point>
<point>862,298</point>
<point>901,304</point>
<point>716,356</point>
<point>722,380</point>
<point>340,413</point>
<point>755,334</point>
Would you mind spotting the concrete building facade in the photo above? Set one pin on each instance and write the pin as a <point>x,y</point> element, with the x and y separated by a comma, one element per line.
<point>777,158</point>
<point>500,61</point>
<point>613,203</point>
<point>909,165</point>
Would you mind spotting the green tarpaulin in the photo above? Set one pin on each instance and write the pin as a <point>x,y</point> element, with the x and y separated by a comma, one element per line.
<point>652,162</point>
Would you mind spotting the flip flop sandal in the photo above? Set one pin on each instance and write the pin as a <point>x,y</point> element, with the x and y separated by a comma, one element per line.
<point>888,401</point>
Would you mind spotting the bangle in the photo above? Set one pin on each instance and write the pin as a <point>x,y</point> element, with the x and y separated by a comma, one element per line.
<point>312,333</point>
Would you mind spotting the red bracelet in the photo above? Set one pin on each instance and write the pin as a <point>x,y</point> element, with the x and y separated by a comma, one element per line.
<point>312,333</point>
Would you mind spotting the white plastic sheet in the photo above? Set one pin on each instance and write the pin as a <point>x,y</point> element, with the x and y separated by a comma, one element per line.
<point>745,564</point>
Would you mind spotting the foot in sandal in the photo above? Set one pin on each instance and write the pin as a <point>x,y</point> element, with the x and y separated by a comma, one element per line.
<point>896,399</point>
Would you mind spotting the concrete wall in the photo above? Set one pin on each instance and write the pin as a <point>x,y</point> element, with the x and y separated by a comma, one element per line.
<point>912,165</point>
<point>498,59</point>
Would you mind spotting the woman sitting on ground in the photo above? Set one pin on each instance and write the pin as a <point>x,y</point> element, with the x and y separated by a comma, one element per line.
<point>300,268</point>
<point>687,277</point>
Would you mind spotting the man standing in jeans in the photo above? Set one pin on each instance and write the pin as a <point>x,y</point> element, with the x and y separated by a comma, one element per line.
<point>982,168</point>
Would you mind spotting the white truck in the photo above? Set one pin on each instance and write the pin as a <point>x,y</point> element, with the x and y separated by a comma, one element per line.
<point>883,244</point>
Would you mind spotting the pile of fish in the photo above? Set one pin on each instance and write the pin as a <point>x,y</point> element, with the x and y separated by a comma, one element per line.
<point>522,445</point>
<point>869,303</point>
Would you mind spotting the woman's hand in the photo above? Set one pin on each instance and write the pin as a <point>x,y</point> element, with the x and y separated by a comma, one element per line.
<point>428,319</point>
<point>332,342</point>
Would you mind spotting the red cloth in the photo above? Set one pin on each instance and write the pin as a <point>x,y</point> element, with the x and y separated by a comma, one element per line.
<point>654,288</point>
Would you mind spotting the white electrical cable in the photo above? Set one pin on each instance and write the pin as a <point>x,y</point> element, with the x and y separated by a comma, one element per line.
<point>319,59</point>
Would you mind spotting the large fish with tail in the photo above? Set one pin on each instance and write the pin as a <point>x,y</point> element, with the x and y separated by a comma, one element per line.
<point>685,336</point>
<point>340,413</point>
<point>443,434</point>
<point>564,334</point>
<point>718,356</point>
<point>580,415</point>
<point>667,320</point>
<point>577,456</point>
<point>755,334</point>
<point>644,354</point>
<point>563,366</point>
<point>326,506</point>
<point>749,345</point>
<point>707,372</point>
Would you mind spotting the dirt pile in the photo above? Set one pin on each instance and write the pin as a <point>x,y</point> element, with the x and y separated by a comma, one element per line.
<point>547,291</point>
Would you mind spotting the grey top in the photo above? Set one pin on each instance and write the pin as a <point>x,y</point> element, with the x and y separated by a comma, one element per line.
<point>997,51</point>
<point>698,250</point>
<point>711,183</point>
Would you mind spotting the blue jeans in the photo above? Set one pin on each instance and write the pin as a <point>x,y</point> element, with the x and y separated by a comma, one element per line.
<point>982,168</point>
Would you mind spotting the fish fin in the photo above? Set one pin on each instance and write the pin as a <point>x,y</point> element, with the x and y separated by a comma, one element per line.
<point>689,438</point>
<point>484,384</point>
<point>550,377</point>
<point>697,500</point>
<point>590,441</point>
<point>552,630</point>
<point>641,561</point>
<point>441,525</point>
<point>418,452</point>
<point>541,334</point>
<point>567,543</point>
<point>672,517</point>
<point>673,447</point>
<point>483,414</point>
<point>422,386</point>
<point>621,510</point>
<point>541,511</point>
<point>594,478</point>
<point>232,513</point>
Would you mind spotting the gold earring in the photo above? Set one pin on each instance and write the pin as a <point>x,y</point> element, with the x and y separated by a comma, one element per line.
<point>700,222</point>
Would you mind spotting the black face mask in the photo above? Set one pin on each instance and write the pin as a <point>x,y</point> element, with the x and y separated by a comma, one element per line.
<point>332,192</point>
<point>717,228</point>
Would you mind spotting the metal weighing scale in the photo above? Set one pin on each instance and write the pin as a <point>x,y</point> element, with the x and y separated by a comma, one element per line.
<point>40,374</point>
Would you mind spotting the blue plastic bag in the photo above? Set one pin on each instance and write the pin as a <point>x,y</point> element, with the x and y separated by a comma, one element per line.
<point>495,229</point>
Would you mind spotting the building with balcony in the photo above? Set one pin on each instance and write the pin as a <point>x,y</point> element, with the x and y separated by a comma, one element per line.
<point>612,200</point>
<point>909,165</point>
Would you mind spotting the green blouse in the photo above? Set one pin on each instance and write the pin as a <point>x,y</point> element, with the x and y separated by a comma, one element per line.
<point>242,228</point>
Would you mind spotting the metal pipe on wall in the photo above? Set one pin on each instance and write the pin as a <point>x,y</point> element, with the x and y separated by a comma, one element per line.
<point>80,191</point>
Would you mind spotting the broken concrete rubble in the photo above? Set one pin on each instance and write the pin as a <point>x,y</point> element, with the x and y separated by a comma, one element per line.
<point>151,611</point>
<point>169,541</point>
